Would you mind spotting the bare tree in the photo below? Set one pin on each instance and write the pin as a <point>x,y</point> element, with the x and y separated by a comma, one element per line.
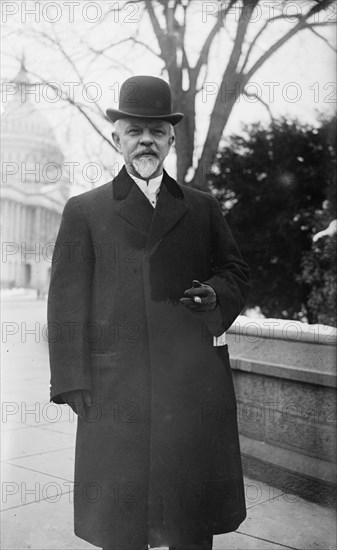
<point>235,74</point>
<point>170,20</point>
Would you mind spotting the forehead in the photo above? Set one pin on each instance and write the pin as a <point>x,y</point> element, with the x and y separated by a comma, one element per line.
<point>143,123</point>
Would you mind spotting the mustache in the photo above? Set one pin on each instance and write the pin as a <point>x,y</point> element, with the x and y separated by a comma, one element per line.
<point>146,152</point>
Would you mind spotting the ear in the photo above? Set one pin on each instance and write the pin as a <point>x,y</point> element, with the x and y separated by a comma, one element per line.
<point>116,140</point>
<point>171,140</point>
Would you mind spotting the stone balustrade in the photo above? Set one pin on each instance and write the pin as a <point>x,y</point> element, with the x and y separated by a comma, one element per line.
<point>285,380</point>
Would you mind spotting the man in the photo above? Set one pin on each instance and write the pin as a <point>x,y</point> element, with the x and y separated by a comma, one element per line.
<point>145,279</point>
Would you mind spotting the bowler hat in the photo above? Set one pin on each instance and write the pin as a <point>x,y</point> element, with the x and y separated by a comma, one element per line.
<point>145,97</point>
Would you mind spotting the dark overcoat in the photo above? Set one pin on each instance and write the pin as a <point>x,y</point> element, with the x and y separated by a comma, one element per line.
<point>157,453</point>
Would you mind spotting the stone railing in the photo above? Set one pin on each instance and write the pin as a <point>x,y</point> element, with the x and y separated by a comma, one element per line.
<point>285,379</point>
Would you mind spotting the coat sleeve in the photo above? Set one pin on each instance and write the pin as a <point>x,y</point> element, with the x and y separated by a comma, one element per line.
<point>230,274</point>
<point>68,304</point>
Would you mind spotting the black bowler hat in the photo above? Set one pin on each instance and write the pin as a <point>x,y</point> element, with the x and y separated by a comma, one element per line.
<point>145,97</point>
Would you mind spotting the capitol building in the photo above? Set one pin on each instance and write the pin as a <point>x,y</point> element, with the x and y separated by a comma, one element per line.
<point>34,189</point>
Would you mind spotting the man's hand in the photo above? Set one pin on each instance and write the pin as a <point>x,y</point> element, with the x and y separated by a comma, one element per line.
<point>77,400</point>
<point>200,297</point>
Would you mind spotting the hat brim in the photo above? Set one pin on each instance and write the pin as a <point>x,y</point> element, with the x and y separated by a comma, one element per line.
<point>115,114</point>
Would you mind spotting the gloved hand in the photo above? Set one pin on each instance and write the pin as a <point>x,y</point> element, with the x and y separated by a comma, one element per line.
<point>77,400</point>
<point>200,297</point>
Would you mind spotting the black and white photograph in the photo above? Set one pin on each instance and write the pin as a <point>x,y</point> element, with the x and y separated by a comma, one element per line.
<point>168,275</point>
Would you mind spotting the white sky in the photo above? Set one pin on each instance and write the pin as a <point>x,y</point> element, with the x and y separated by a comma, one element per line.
<point>298,81</point>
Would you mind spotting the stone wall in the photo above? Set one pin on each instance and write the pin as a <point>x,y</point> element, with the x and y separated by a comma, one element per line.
<point>285,379</point>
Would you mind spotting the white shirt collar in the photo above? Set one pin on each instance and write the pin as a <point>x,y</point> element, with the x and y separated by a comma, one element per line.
<point>152,184</point>
<point>150,188</point>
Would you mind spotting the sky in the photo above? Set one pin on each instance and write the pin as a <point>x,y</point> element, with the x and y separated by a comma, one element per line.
<point>298,81</point>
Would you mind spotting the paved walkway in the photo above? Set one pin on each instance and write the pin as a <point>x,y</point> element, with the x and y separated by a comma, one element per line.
<point>38,458</point>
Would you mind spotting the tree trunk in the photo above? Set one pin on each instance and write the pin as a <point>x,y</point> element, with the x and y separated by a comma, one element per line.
<point>185,134</point>
<point>230,90</point>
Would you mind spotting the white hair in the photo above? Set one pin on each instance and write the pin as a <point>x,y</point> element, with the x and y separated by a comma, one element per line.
<point>117,128</point>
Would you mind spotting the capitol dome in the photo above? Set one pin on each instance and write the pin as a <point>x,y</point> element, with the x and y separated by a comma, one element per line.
<point>34,186</point>
<point>26,134</point>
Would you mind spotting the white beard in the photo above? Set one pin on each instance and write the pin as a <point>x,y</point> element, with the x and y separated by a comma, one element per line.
<point>146,166</point>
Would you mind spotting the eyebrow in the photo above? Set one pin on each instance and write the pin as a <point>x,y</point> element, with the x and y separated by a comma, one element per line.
<point>155,125</point>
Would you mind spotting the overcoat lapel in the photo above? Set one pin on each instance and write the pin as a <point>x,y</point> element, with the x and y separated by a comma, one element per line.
<point>132,205</point>
<point>170,209</point>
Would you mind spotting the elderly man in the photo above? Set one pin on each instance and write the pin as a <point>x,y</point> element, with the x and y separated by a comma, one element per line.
<point>146,278</point>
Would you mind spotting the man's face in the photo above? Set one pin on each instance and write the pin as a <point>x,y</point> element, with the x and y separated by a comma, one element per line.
<point>144,143</point>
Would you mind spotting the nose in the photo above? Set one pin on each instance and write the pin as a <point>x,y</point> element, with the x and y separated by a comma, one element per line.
<point>146,137</point>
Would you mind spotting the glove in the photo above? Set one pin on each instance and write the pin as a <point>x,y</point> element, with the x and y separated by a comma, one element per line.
<point>77,401</point>
<point>200,297</point>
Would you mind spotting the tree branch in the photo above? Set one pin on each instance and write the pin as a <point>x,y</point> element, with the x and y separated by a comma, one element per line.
<point>159,32</point>
<point>221,112</point>
<point>248,94</point>
<point>56,42</point>
<point>255,39</point>
<point>78,106</point>
<point>209,40</point>
<point>239,39</point>
<point>185,62</point>
<point>123,41</point>
<point>301,20</point>
<point>302,24</point>
<point>311,28</point>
